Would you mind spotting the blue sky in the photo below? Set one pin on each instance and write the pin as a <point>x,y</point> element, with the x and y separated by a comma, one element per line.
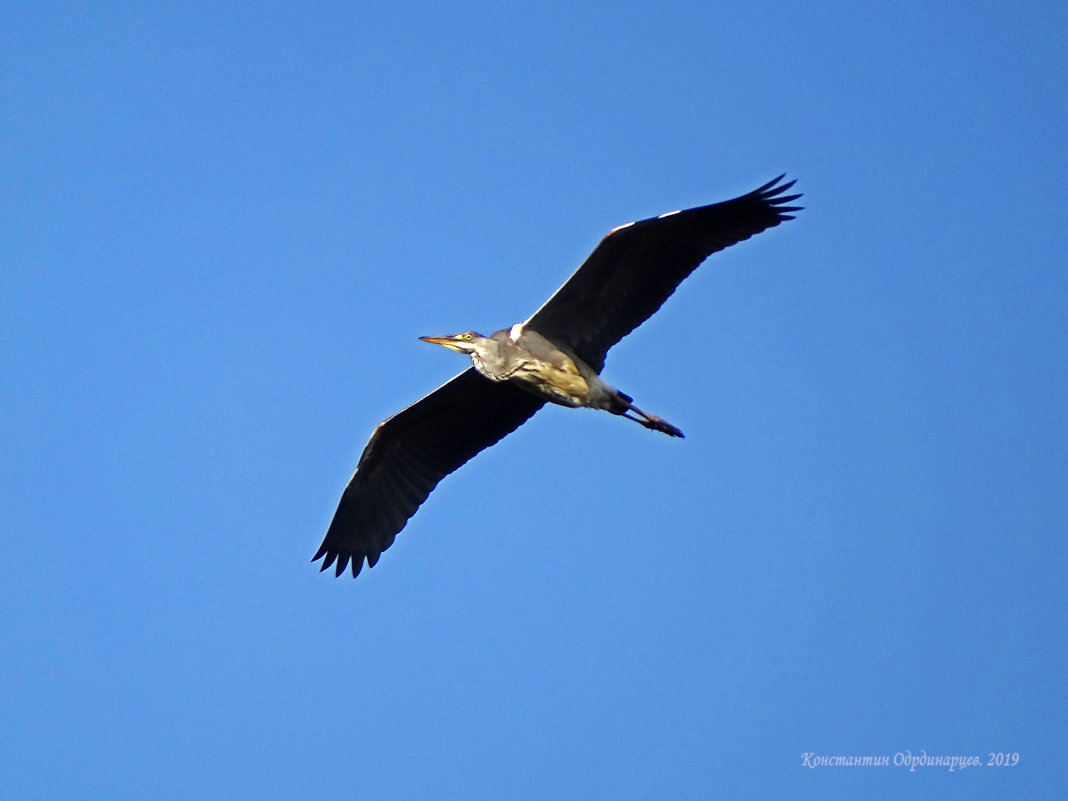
<point>222,231</point>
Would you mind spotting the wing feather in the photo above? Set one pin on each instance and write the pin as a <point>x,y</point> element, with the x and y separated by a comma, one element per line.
<point>408,454</point>
<point>637,266</point>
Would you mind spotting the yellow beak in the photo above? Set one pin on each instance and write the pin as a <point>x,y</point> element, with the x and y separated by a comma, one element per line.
<point>445,342</point>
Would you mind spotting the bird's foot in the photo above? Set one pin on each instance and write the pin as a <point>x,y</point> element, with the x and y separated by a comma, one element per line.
<point>655,423</point>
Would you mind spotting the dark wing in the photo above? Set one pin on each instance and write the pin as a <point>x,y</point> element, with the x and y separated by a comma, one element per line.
<point>410,453</point>
<point>637,266</point>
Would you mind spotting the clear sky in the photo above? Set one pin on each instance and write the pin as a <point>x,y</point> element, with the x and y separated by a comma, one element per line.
<point>223,228</point>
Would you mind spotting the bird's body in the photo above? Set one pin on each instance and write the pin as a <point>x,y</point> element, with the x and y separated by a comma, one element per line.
<point>528,359</point>
<point>547,370</point>
<point>555,356</point>
<point>543,368</point>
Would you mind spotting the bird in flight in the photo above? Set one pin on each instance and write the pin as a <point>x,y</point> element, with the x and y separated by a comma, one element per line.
<point>555,356</point>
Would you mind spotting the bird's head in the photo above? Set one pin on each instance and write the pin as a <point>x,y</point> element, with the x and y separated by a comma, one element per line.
<point>467,343</point>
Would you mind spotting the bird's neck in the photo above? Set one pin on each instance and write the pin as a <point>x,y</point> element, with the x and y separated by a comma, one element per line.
<point>493,363</point>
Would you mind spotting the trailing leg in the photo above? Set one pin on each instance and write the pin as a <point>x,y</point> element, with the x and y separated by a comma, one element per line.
<point>651,421</point>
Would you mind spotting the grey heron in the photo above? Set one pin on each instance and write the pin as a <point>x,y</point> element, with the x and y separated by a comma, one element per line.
<point>555,356</point>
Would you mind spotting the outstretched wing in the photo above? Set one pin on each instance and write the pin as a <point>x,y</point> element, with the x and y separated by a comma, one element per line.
<point>410,453</point>
<point>637,266</point>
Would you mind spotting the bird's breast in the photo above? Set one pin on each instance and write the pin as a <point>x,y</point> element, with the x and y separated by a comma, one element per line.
<point>559,381</point>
